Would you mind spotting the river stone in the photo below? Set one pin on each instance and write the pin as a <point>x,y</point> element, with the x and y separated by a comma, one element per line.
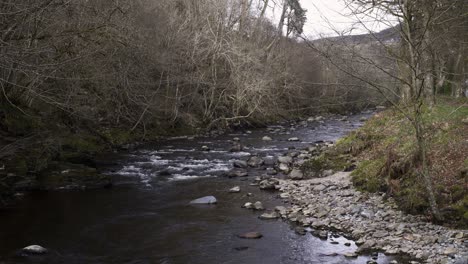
<point>205,148</point>
<point>268,184</point>
<point>34,249</point>
<point>248,205</point>
<point>255,161</point>
<point>296,175</point>
<point>285,159</point>
<point>251,235</point>
<point>236,147</point>
<point>320,188</point>
<point>450,251</point>
<point>234,189</point>
<point>293,139</point>
<point>205,200</point>
<point>258,206</point>
<point>268,216</point>
<point>267,138</point>
<point>281,209</point>
<point>239,164</point>
<point>271,171</point>
<point>367,246</point>
<point>283,167</point>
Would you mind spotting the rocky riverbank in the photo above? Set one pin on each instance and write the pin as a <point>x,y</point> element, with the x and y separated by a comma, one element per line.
<point>331,203</point>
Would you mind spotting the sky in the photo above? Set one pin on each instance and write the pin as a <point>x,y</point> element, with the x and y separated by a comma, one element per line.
<point>331,18</point>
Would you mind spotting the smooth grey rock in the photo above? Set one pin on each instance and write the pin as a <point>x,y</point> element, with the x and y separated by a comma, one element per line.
<point>320,188</point>
<point>235,189</point>
<point>255,161</point>
<point>268,184</point>
<point>285,159</point>
<point>296,174</point>
<point>267,138</point>
<point>293,139</point>
<point>34,250</point>
<point>268,216</point>
<point>205,200</point>
<point>240,164</point>
<point>350,255</point>
<point>248,205</point>
<point>283,167</point>
<point>205,148</point>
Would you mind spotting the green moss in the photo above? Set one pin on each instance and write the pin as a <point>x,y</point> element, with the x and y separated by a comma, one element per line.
<point>118,136</point>
<point>367,175</point>
<point>82,143</point>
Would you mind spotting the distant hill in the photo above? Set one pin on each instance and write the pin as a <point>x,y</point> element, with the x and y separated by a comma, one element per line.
<point>388,35</point>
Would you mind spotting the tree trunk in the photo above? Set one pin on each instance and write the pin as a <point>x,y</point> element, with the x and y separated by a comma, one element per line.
<point>283,16</point>
<point>422,154</point>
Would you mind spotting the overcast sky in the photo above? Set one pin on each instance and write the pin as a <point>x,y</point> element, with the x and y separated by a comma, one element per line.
<point>327,17</point>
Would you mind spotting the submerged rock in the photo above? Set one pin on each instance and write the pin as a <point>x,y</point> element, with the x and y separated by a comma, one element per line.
<point>258,206</point>
<point>251,235</point>
<point>205,200</point>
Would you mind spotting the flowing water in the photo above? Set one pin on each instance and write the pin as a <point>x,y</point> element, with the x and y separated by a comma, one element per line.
<point>146,216</point>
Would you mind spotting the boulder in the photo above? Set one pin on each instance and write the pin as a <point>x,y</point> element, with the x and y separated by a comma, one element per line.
<point>205,200</point>
<point>239,164</point>
<point>296,174</point>
<point>283,167</point>
<point>267,138</point>
<point>293,139</point>
<point>255,161</point>
<point>285,159</point>
<point>268,184</point>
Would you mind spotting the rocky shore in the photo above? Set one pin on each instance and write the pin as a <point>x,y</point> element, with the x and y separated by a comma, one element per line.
<point>324,201</point>
<point>331,203</point>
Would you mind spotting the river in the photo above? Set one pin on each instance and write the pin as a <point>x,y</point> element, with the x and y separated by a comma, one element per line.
<point>146,217</point>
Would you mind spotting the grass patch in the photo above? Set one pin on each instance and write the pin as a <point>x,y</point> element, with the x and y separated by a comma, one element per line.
<point>385,148</point>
